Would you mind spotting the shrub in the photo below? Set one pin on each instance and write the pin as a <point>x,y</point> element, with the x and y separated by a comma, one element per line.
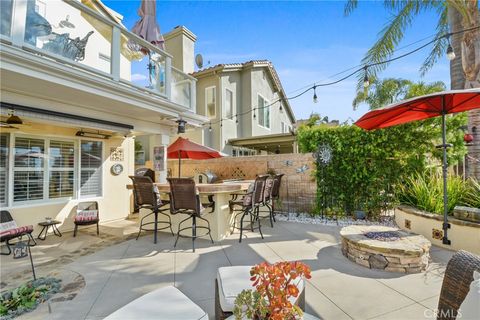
<point>426,192</point>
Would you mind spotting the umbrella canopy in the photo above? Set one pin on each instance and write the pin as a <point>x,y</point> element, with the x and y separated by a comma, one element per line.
<point>424,107</point>
<point>420,108</point>
<point>185,149</point>
<point>147,27</point>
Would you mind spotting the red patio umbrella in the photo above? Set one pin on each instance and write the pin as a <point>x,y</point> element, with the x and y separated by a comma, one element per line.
<point>185,149</point>
<point>424,107</point>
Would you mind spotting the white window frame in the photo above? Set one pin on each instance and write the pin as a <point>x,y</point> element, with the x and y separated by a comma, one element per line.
<point>215,102</point>
<point>64,169</point>
<point>46,200</point>
<point>266,103</point>
<point>231,105</point>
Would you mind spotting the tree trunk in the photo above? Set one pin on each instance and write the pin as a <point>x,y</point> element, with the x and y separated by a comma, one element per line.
<point>465,73</point>
<point>471,68</point>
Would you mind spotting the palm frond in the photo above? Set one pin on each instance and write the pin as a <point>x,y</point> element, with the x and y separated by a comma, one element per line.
<point>439,46</point>
<point>349,7</point>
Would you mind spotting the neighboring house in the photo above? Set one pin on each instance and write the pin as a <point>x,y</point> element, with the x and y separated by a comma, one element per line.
<point>78,80</point>
<point>253,89</point>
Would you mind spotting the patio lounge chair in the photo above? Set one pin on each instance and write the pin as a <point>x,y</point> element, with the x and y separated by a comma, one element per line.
<point>184,199</point>
<point>146,198</point>
<point>87,214</point>
<point>456,284</point>
<point>166,303</point>
<point>10,231</point>
<point>231,281</point>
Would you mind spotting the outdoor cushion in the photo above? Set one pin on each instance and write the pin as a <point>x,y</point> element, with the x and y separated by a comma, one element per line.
<point>86,215</point>
<point>470,308</point>
<point>233,280</point>
<point>8,225</point>
<point>16,231</point>
<point>167,303</point>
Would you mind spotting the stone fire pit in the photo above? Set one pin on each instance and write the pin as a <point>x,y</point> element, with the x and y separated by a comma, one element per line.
<point>385,248</point>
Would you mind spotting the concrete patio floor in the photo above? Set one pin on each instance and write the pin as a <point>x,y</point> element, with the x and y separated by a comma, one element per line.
<point>339,289</point>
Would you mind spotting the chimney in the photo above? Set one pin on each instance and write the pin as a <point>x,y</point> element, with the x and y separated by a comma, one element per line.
<point>180,43</point>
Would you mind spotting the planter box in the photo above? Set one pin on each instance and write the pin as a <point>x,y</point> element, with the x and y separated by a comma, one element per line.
<point>464,235</point>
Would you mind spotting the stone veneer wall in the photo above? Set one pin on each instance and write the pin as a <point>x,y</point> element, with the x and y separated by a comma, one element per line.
<point>298,189</point>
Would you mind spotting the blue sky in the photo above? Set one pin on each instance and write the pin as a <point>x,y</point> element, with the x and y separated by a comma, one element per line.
<point>306,41</point>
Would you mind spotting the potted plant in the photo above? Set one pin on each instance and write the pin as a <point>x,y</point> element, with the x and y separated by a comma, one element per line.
<point>274,286</point>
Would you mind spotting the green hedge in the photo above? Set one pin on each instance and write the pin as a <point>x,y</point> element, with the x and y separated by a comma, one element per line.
<point>368,166</point>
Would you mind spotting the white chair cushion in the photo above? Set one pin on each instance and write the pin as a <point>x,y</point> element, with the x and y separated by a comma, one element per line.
<point>233,280</point>
<point>470,307</point>
<point>167,303</point>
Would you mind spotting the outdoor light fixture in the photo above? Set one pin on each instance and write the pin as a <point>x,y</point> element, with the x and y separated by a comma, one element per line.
<point>181,125</point>
<point>13,119</point>
<point>210,127</point>
<point>87,134</point>
<point>315,98</point>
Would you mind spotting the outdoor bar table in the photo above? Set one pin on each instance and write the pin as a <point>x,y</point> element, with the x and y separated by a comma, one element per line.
<point>220,219</point>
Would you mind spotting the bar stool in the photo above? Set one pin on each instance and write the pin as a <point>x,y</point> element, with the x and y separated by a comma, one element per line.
<point>146,198</point>
<point>184,199</point>
<point>249,206</point>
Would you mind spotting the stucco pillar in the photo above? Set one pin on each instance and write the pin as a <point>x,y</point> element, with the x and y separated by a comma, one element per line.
<point>159,140</point>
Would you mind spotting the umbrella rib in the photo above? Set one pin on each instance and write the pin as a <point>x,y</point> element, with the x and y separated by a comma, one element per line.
<point>470,98</point>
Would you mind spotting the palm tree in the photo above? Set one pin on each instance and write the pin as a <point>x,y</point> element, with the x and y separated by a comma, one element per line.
<point>453,16</point>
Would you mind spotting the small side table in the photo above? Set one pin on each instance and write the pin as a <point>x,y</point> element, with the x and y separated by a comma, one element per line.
<point>46,225</point>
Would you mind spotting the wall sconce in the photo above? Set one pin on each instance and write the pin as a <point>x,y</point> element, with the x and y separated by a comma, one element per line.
<point>181,125</point>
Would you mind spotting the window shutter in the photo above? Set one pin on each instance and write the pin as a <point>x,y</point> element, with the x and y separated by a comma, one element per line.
<point>91,169</point>
<point>28,169</point>
<point>62,166</point>
<point>3,169</point>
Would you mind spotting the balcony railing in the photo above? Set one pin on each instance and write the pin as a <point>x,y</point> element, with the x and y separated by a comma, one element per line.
<point>71,32</point>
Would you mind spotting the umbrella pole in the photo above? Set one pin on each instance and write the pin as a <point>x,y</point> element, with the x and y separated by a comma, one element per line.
<point>446,225</point>
<point>179,162</point>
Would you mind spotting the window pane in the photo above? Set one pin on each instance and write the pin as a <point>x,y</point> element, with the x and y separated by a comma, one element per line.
<point>261,114</point>
<point>5,17</point>
<point>61,184</point>
<point>228,103</point>
<point>62,154</point>
<point>29,153</point>
<point>91,169</point>
<point>3,169</point>
<point>210,100</point>
<point>28,185</point>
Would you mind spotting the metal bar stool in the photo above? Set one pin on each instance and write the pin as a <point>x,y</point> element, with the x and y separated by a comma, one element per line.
<point>184,199</point>
<point>147,198</point>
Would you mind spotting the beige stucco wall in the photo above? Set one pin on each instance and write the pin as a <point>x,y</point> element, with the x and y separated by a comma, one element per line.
<point>463,235</point>
<point>113,204</point>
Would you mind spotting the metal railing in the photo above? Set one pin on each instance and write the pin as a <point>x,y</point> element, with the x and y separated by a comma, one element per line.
<point>73,33</point>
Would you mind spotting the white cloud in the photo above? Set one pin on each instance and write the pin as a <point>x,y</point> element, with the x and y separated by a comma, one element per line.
<point>138,77</point>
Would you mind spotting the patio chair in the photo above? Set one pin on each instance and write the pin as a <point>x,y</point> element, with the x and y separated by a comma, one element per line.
<point>184,199</point>
<point>87,214</point>
<point>456,283</point>
<point>142,172</point>
<point>231,281</point>
<point>147,198</point>
<point>250,206</point>
<point>277,182</point>
<point>267,199</point>
<point>9,231</point>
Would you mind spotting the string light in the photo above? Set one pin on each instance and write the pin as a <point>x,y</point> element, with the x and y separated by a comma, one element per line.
<point>210,127</point>
<point>221,123</point>
<point>366,82</point>
<point>450,52</point>
<point>280,108</point>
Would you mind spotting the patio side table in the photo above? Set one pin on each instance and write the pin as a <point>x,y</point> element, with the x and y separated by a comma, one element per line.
<point>46,225</point>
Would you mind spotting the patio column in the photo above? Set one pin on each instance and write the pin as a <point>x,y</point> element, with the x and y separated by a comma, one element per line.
<point>157,142</point>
